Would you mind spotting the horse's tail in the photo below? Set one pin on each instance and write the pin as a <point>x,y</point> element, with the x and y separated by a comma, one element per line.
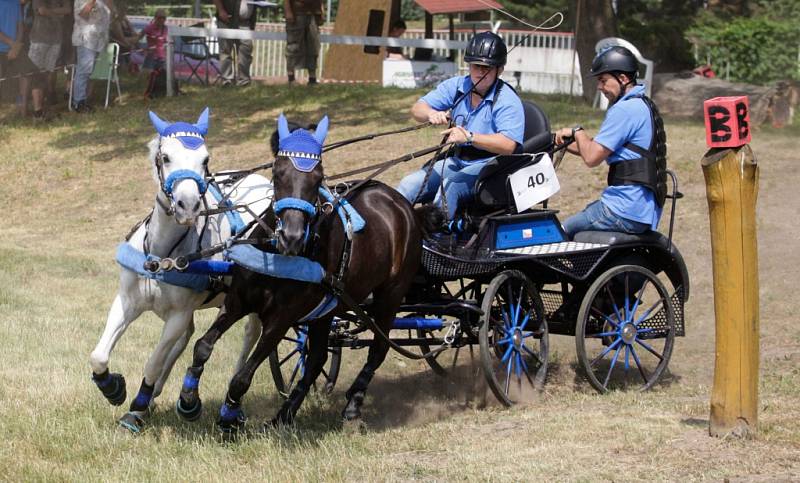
<point>430,217</point>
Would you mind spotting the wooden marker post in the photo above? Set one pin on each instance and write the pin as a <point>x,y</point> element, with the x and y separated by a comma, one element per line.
<point>731,175</point>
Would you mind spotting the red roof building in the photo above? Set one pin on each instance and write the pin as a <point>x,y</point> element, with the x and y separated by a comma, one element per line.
<point>456,6</point>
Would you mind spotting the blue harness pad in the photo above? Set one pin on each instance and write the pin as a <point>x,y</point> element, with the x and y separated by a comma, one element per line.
<point>275,265</point>
<point>133,260</point>
<point>235,220</point>
<point>345,210</point>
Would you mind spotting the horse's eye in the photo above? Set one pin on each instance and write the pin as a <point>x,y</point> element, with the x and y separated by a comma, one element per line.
<point>165,158</point>
<point>205,161</point>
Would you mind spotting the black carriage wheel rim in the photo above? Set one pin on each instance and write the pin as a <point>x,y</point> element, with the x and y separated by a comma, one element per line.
<point>626,322</point>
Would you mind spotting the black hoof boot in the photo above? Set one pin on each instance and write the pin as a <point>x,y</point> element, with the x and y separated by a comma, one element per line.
<point>131,422</point>
<point>189,411</point>
<point>112,386</point>
<point>352,411</point>
<point>231,420</point>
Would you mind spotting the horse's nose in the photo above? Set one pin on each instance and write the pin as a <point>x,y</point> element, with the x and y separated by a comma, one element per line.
<point>288,243</point>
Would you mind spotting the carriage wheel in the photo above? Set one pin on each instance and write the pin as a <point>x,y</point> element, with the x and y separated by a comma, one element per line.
<point>625,330</point>
<point>443,363</point>
<point>513,337</point>
<point>288,362</point>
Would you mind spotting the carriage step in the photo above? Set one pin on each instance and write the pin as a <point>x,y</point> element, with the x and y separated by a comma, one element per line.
<point>418,323</point>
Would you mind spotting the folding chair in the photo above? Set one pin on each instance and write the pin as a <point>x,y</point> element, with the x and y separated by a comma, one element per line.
<point>194,52</point>
<point>105,68</point>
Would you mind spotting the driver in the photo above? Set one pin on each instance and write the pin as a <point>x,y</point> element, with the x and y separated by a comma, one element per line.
<point>487,120</point>
<point>633,143</point>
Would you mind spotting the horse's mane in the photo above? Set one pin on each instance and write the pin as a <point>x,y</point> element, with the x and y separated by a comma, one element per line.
<point>152,147</point>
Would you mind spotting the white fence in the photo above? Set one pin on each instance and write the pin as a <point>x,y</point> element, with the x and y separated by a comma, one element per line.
<point>543,62</point>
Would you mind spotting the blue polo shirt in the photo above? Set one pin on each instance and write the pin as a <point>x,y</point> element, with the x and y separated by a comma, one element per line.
<point>9,18</point>
<point>629,121</point>
<point>499,112</point>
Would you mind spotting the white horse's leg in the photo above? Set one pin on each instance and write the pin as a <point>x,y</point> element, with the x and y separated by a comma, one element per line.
<point>121,314</point>
<point>252,331</point>
<point>174,353</point>
<point>175,326</point>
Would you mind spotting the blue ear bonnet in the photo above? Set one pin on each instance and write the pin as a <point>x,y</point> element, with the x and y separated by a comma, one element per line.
<point>186,133</point>
<point>192,136</point>
<point>302,149</point>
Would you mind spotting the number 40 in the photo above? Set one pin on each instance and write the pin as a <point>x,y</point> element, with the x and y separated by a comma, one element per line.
<point>533,181</point>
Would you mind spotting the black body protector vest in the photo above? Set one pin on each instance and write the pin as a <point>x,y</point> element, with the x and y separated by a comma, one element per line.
<point>651,169</point>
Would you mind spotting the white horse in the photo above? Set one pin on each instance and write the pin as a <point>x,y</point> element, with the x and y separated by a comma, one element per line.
<point>177,226</point>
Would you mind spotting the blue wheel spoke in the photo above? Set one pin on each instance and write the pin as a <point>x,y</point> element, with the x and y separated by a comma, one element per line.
<point>650,349</point>
<point>606,351</point>
<point>611,367</point>
<point>639,364</point>
<point>508,374</point>
<point>608,319</point>
<point>627,358</point>
<point>505,340</point>
<point>518,357</point>
<point>603,334</point>
<point>627,298</point>
<point>532,354</point>
<point>613,303</point>
<point>648,312</point>
<point>639,296</point>
<point>507,354</point>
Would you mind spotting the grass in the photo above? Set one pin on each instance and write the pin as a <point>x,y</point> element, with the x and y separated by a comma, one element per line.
<point>74,187</point>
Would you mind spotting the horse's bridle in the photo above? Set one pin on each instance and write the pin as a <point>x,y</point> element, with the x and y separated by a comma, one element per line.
<point>289,203</point>
<point>167,185</point>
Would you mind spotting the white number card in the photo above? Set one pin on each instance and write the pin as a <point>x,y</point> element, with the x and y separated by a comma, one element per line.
<point>534,184</point>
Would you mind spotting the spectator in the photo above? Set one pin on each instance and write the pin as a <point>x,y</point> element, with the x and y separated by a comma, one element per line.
<point>303,18</point>
<point>235,14</point>
<point>45,47</point>
<point>10,41</point>
<point>397,30</point>
<point>67,56</point>
<point>123,33</point>
<point>90,37</point>
<point>156,34</point>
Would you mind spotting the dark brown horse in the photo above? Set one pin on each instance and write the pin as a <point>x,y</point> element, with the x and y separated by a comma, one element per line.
<point>383,258</point>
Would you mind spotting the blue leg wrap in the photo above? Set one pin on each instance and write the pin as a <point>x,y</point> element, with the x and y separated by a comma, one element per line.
<point>230,414</point>
<point>190,382</point>
<point>143,398</point>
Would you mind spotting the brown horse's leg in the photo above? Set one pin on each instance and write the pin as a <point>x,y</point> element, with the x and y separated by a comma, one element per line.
<point>385,305</point>
<point>231,417</point>
<point>318,331</point>
<point>189,404</point>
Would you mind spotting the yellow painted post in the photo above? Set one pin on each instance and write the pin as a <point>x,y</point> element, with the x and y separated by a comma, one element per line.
<point>731,176</point>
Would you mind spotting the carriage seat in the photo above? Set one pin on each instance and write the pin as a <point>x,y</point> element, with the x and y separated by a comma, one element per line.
<point>490,190</point>
<point>650,237</point>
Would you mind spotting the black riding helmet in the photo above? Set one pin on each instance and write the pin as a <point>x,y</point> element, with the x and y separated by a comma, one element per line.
<point>486,48</point>
<point>615,61</point>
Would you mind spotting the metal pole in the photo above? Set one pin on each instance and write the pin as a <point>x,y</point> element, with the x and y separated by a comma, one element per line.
<point>170,74</point>
<point>328,13</point>
<point>196,8</point>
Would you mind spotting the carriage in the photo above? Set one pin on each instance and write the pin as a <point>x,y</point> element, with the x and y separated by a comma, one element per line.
<point>506,280</point>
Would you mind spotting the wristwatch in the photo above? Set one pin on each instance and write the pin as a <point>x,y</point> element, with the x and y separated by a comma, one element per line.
<point>470,136</point>
<point>575,129</point>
